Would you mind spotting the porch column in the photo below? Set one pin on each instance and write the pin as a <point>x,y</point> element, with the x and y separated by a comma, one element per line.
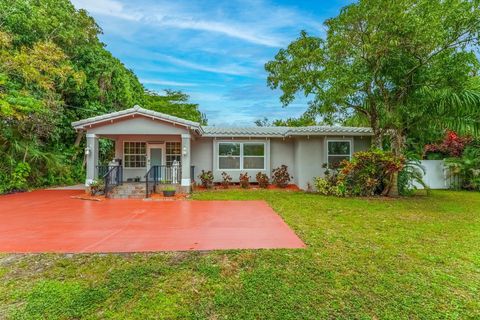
<point>186,179</point>
<point>91,152</point>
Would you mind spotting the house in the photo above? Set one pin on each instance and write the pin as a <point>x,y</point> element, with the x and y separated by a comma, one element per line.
<point>179,149</point>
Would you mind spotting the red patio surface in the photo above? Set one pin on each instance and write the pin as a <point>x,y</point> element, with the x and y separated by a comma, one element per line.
<point>51,221</point>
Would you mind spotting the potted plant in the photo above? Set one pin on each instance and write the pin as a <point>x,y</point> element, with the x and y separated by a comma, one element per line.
<point>169,191</point>
<point>96,186</point>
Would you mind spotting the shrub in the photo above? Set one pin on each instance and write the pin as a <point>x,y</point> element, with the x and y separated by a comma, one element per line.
<point>370,172</point>
<point>451,146</point>
<point>96,186</point>
<point>19,177</point>
<point>467,167</point>
<point>262,179</point>
<point>412,172</point>
<point>329,184</point>
<point>281,177</point>
<point>244,180</point>
<point>207,179</point>
<point>226,180</point>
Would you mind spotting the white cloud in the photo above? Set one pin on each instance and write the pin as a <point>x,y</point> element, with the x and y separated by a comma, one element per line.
<point>231,69</point>
<point>228,29</point>
<point>110,8</point>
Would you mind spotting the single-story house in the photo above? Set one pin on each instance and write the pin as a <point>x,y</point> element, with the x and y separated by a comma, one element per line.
<point>182,148</point>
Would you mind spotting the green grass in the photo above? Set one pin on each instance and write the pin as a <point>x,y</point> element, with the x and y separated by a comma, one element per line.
<point>412,258</point>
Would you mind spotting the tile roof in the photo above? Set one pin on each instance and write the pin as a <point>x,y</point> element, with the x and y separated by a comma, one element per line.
<point>211,131</point>
<point>214,131</point>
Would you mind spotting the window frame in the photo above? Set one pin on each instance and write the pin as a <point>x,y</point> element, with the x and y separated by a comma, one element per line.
<point>349,155</point>
<point>134,154</point>
<point>179,155</point>
<point>241,155</point>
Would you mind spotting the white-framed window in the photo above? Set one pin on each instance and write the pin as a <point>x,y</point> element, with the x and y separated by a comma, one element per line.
<point>241,155</point>
<point>173,152</point>
<point>337,151</point>
<point>134,154</point>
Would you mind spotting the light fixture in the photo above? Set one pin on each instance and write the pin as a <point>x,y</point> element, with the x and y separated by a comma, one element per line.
<point>87,151</point>
<point>184,151</point>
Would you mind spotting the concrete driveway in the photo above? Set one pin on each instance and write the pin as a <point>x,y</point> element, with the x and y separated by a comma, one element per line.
<point>53,221</point>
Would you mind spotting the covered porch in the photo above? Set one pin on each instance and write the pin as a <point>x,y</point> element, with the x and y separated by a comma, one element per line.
<point>148,147</point>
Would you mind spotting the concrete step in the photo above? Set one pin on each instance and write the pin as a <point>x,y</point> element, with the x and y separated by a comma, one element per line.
<point>129,191</point>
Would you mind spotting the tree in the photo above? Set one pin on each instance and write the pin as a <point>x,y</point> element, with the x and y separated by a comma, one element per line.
<point>398,64</point>
<point>174,103</point>
<point>302,121</point>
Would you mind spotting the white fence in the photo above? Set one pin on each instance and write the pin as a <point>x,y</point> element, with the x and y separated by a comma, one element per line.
<point>436,175</point>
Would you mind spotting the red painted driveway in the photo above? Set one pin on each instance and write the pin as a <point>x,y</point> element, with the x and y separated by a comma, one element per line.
<point>51,221</point>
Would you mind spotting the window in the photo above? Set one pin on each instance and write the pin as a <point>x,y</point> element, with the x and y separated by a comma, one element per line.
<point>253,155</point>
<point>337,152</point>
<point>173,152</point>
<point>135,154</point>
<point>238,155</point>
<point>229,156</point>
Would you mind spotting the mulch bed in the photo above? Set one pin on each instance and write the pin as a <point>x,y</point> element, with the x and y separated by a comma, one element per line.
<point>290,187</point>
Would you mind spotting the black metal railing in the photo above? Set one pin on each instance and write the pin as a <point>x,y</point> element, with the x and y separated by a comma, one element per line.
<point>162,175</point>
<point>112,176</point>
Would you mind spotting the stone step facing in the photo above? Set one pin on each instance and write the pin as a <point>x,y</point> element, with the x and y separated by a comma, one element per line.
<point>128,191</point>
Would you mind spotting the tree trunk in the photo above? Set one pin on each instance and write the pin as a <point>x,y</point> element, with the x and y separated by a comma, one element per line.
<point>78,139</point>
<point>398,146</point>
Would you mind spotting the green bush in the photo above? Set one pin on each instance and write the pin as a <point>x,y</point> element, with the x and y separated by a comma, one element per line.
<point>262,179</point>
<point>467,167</point>
<point>368,173</point>
<point>207,179</point>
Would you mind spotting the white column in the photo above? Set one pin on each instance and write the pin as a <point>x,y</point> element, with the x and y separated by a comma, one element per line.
<point>91,152</point>
<point>186,179</point>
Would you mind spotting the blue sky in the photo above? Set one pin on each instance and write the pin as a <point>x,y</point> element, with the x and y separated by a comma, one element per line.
<point>212,50</point>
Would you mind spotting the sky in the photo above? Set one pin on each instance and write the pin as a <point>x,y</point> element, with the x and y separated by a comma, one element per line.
<point>214,51</point>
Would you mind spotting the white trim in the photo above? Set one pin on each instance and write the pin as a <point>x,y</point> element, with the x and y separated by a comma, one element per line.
<point>217,156</point>
<point>327,141</point>
<point>151,146</point>
<point>186,136</point>
<point>91,135</point>
<point>123,155</point>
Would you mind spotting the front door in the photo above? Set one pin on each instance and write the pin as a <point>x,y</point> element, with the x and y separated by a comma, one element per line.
<point>155,155</point>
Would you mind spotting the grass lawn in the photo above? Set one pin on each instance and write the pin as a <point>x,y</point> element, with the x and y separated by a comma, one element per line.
<point>414,258</point>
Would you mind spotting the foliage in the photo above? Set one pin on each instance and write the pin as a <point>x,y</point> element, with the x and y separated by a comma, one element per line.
<point>207,178</point>
<point>405,66</point>
<point>54,70</point>
<point>262,179</point>
<point>329,184</point>
<point>169,188</point>
<point>280,176</point>
<point>303,121</point>
<point>226,180</point>
<point>451,146</point>
<point>96,186</point>
<point>244,180</point>
<point>19,177</point>
<point>411,173</point>
<point>174,103</point>
<point>467,167</point>
<point>370,173</point>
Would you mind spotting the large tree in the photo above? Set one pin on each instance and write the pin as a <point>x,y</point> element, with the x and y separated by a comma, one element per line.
<point>175,103</point>
<point>404,66</point>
